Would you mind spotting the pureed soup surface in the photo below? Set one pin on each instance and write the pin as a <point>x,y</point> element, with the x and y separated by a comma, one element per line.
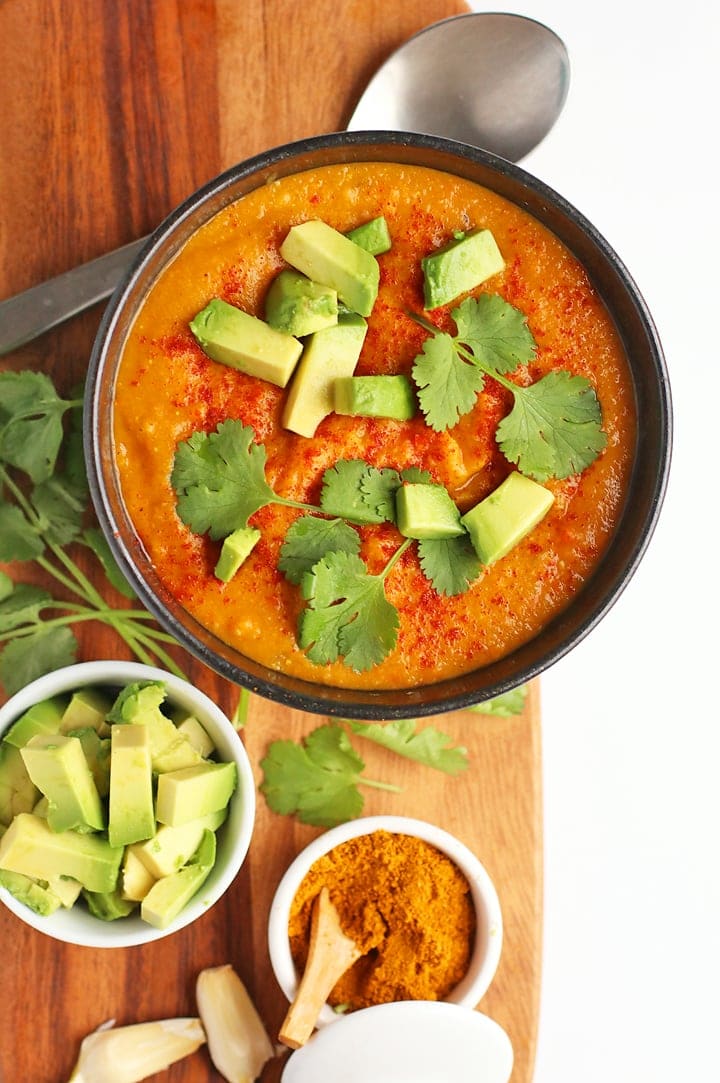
<point>167,388</point>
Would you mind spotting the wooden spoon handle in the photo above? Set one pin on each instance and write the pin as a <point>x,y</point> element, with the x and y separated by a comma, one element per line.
<point>330,954</point>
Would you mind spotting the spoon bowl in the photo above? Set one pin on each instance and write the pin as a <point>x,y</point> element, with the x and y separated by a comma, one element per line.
<point>490,80</point>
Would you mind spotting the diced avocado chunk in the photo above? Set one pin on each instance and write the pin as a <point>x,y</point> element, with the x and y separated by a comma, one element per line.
<point>30,847</point>
<point>136,877</point>
<point>30,892</point>
<point>18,793</point>
<point>87,707</point>
<point>131,814</point>
<point>195,732</point>
<point>506,516</point>
<point>329,257</point>
<point>43,717</point>
<point>235,338</point>
<point>139,704</point>
<point>375,396</point>
<point>236,548</point>
<point>426,511</point>
<point>108,905</point>
<point>194,792</point>
<point>373,236</point>
<point>97,754</point>
<point>298,306</point>
<point>169,896</point>
<point>328,355</point>
<point>56,764</point>
<point>172,847</point>
<point>66,889</point>
<point>460,266</point>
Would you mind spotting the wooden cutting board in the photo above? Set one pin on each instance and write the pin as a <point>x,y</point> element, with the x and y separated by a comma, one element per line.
<point>112,114</point>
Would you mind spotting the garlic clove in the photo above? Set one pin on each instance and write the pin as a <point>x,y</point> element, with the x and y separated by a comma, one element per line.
<point>129,1054</point>
<point>238,1043</point>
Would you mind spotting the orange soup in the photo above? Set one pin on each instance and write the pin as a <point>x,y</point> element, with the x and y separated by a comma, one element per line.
<point>168,389</point>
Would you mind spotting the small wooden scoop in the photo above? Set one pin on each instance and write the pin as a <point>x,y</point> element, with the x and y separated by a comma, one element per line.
<point>330,954</point>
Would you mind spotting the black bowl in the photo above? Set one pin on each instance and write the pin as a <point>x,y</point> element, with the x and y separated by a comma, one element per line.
<point>622,299</point>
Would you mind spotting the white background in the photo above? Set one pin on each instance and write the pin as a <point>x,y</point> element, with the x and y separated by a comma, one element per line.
<point>631,723</point>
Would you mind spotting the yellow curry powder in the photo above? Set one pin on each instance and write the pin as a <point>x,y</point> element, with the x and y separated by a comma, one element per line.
<point>408,908</point>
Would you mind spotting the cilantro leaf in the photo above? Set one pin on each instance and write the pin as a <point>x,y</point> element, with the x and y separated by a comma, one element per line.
<point>348,615</point>
<point>60,507</point>
<point>448,384</point>
<point>342,494</point>
<point>554,428</point>
<point>6,586</point>
<point>495,331</point>
<point>22,605</point>
<point>505,705</point>
<point>416,476</point>
<point>309,539</point>
<point>219,479</point>
<point>317,781</point>
<point>428,746</point>
<point>18,539</point>
<point>451,564</point>
<point>31,656</point>
<point>31,429</point>
<point>378,488</point>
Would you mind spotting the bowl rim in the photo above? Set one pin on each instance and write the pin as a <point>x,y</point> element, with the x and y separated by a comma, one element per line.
<point>487,947</point>
<point>422,700</point>
<point>81,928</point>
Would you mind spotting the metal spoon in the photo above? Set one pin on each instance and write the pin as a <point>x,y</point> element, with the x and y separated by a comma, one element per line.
<point>494,81</point>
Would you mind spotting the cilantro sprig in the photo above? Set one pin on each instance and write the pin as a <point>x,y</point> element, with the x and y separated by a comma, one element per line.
<point>318,779</point>
<point>43,510</point>
<point>219,479</point>
<point>554,428</point>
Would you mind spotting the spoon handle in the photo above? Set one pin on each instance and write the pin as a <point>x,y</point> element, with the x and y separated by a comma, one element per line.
<point>331,953</point>
<point>28,314</point>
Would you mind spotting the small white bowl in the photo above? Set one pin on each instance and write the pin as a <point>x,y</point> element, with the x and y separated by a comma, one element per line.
<point>488,936</point>
<point>76,925</point>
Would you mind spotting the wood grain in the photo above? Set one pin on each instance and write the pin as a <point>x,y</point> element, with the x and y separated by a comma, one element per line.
<point>112,114</point>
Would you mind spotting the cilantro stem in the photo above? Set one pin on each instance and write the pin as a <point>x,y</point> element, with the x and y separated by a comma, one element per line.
<point>56,573</point>
<point>468,355</point>
<point>287,503</point>
<point>380,785</point>
<point>395,558</point>
<point>240,714</point>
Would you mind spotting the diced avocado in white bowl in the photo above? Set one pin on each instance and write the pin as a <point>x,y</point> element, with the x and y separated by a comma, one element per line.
<point>127,804</point>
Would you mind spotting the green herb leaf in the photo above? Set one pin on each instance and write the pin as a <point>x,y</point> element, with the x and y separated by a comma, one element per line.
<point>18,538</point>
<point>416,476</point>
<point>495,331</point>
<point>317,781</point>
<point>22,605</point>
<point>97,542</point>
<point>349,615</point>
<point>219,479</point>
<point>553,429</point>
<point>309,539</point>
<point>31,429</point>
<point>504,706</point>
<point>6,586</point>
<point>451,564</point>
<point>448,384</point>
<point>378,488</point>
<point>31,656</point>
<point>342,493</point>
<point>60,507</point>
<point>428,746</point>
